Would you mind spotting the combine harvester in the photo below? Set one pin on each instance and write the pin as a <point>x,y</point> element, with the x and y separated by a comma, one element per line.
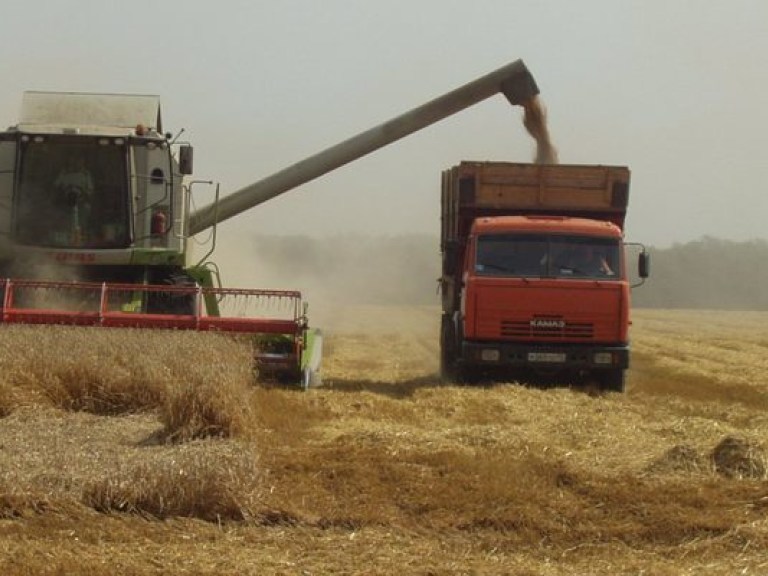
<point>95,219</point>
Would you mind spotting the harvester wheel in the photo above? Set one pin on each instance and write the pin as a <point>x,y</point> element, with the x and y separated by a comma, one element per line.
<point>613,380</point>
<point>165,303</point>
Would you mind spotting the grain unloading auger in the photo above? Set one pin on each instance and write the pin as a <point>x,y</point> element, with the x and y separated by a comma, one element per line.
<point>513,80</point>
<point>94,219</point>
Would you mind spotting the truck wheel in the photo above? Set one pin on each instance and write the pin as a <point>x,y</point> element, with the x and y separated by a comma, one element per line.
<point>613,380</point>
<point>448,368</point>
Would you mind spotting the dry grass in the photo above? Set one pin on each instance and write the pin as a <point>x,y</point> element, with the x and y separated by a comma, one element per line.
<point>213,399</point>
<point>72,369</point>
<point>206,409</point>
<point>385,470</point>
<point>197,382</point>
<point>7,401</point>
<point>192,485</point>
<point>735,457</point>
<point>15,503</point>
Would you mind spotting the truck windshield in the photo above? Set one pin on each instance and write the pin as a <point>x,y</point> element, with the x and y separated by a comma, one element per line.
<point>72,193</point>
<point>547,256</point>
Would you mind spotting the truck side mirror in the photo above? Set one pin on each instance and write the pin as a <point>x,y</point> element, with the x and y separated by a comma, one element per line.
<point>644,264</point>
<point>186,155</point>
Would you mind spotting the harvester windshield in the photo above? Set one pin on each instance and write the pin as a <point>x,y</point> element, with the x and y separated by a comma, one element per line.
<point>73,192</point>
<point>547,256</point>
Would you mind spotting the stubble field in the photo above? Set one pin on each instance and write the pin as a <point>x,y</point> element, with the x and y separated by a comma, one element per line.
<point>148,453</point>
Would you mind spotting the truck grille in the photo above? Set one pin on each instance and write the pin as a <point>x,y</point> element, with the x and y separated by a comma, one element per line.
<point>524,329</point>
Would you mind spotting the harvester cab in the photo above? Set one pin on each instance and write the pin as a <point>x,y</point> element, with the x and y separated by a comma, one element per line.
<point>89,187</point>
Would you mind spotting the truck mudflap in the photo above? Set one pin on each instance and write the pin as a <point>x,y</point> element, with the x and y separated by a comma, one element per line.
<point>545,358</point>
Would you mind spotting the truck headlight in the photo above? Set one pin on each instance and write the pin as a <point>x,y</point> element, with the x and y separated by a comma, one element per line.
<point>603,358</point>
<point>489,355</point>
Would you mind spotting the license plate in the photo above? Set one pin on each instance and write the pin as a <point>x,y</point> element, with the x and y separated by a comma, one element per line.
<point>553,357</point>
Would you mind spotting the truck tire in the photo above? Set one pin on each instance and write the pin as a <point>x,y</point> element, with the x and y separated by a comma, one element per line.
<point>448,367</point>
<point>613,380</point>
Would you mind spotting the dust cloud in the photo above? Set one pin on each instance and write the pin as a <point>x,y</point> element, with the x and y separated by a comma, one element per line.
<point>335,272</point>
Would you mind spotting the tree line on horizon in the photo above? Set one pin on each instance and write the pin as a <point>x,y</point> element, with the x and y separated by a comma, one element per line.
<point>708,273</point>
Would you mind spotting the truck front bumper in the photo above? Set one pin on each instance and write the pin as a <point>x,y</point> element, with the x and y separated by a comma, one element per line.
<point>546,357</point>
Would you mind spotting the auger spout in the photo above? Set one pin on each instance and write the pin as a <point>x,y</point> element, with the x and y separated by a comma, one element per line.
<point>513,80</point>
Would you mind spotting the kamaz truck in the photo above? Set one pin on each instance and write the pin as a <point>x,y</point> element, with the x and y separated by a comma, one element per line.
<point>535,280</point>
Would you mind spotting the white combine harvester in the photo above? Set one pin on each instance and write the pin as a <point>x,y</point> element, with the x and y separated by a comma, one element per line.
<point>95,218</point>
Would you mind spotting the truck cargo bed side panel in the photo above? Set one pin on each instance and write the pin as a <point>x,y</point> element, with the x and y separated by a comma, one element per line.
<point>504,188</point>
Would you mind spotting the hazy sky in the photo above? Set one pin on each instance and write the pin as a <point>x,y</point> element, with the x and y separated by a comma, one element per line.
<point>676,90</point>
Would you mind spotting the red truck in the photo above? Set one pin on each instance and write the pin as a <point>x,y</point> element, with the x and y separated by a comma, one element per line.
<point>534,278</point>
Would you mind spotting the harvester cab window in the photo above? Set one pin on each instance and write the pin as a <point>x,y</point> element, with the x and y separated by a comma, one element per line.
<point>72,193</point>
